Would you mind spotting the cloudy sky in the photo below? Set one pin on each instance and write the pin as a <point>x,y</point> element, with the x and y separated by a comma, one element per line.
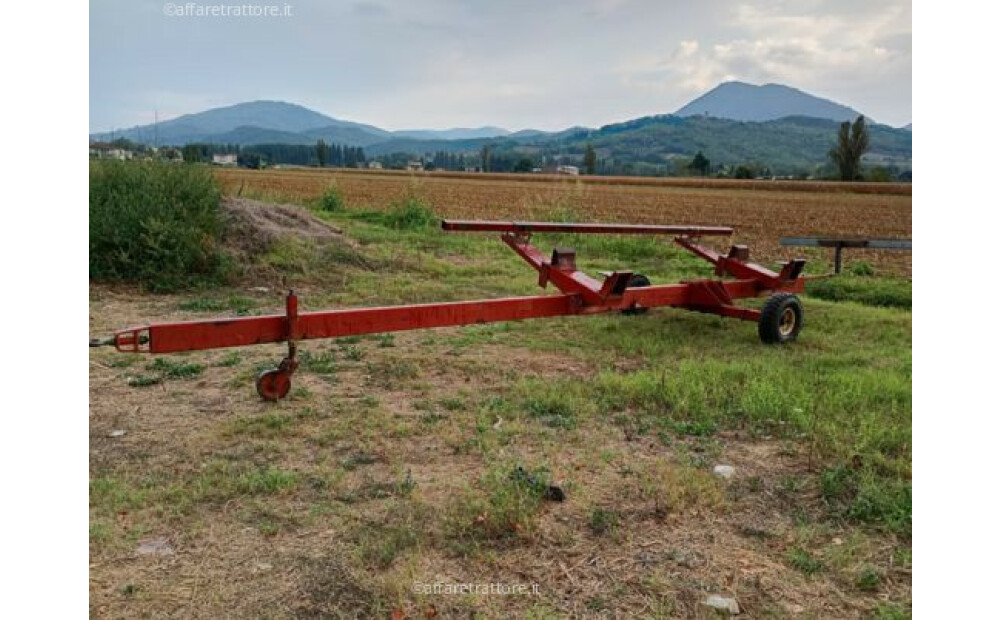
<point>516,64</point>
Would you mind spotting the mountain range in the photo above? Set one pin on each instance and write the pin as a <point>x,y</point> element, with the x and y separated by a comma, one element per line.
<point>734,122</point>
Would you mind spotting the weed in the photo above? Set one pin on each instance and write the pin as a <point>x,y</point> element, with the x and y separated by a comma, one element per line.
<point>804,561</point>
<point>236,303</point>
<point>389,373</point>
<point>602,520</point>
<point>409,214</point>
<point>331,201</point>
<point>868,580</point>
<point>144,380</point>
<point>231,358</point>
<point>265,481</point>
<point>319,363</point>
<point>171,369</point>
<point>506,507</point>
<point>676,487</point>
<point>861,268</point>
<point>891,611</point>
<point>862,495</point>
<point>264,426</point>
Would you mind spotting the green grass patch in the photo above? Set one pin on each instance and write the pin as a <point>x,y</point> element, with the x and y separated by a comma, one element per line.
<point>505,505</point>
<point>888,292</point>
<point>409,214</point>
<point>234,303</point>
<point>170,368</point>
<point>804,562</point>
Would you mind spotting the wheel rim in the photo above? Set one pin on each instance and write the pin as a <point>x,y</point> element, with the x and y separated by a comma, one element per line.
<point>273,385</point>
<point>787,324</point>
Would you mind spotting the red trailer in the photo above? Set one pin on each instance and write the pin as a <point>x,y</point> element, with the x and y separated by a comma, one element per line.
<point>779,321</point>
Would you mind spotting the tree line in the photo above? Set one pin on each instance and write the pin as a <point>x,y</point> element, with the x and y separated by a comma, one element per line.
<point>259,155</point>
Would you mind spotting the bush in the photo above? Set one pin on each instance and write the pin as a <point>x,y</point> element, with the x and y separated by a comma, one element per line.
<point>409,214</point>
<point>331,201</point>
<point>155,224</point>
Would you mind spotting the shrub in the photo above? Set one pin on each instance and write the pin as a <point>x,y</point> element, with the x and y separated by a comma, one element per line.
<point>331,201</point>
<point>155,224</point>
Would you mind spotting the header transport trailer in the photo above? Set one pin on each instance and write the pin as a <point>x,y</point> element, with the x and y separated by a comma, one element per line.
<point>779,321</point>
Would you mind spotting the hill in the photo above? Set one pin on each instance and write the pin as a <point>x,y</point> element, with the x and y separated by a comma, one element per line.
<point>216,125</point>
<point>740,101</point>
<point>773,127</point>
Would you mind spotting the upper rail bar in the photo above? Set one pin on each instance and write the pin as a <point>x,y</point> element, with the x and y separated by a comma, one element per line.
<point>559,227</point>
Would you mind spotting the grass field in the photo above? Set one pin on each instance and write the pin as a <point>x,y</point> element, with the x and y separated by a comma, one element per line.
<point>424,457</point>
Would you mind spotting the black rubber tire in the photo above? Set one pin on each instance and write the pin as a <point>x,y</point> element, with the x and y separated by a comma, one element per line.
<point>772,326</point>
<point>637,280</point>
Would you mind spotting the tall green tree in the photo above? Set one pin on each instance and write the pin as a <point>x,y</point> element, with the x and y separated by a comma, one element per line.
<point>484,154</point>
<point>852,143</point>
<point>590,159</point>
<point>321,153</point>
<point>701,164</point>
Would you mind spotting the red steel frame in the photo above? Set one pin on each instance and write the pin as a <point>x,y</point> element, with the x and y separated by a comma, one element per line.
<point>579,294</point>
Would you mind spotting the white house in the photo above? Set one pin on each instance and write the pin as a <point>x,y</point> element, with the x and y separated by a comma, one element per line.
<point>571,170</point>
<point>415,165</point>
<point>104,150</point>
<point>375,165</point>
<point>224,159</point>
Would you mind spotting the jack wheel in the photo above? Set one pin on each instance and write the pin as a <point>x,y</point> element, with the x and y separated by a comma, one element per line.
<point>637,280</point>
<point>273,385</point>
<point>780,319</point>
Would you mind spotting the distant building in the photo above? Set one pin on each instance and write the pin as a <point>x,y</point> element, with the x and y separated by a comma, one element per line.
<point>472,168</point>
<point>374,165</point>
<point>415,165</point>
<point>106,150</point>
<point>224,159</point>
<point>571,170</point>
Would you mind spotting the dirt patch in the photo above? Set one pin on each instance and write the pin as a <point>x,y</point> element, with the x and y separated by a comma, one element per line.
<point>251,227</point>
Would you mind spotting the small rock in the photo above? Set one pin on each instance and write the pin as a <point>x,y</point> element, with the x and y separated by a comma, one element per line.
<point>262,566</point>
<point>155,546</point>
<point>118,432</point>
<point>724,471</point>
<point>723,603</point>
<point>259,289</point>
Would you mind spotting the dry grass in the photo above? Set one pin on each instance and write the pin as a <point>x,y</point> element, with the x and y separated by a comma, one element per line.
<point>336,501</point>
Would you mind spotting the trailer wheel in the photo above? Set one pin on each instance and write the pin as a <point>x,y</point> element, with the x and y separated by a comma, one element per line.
<point>780,319</point>
<point>637,280</point>
<point>273,385</point>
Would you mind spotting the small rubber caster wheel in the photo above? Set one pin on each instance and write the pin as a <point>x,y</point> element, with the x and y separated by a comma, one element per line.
<point>780,319</point>
<point>637,280</point>
<point>273,385</point>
